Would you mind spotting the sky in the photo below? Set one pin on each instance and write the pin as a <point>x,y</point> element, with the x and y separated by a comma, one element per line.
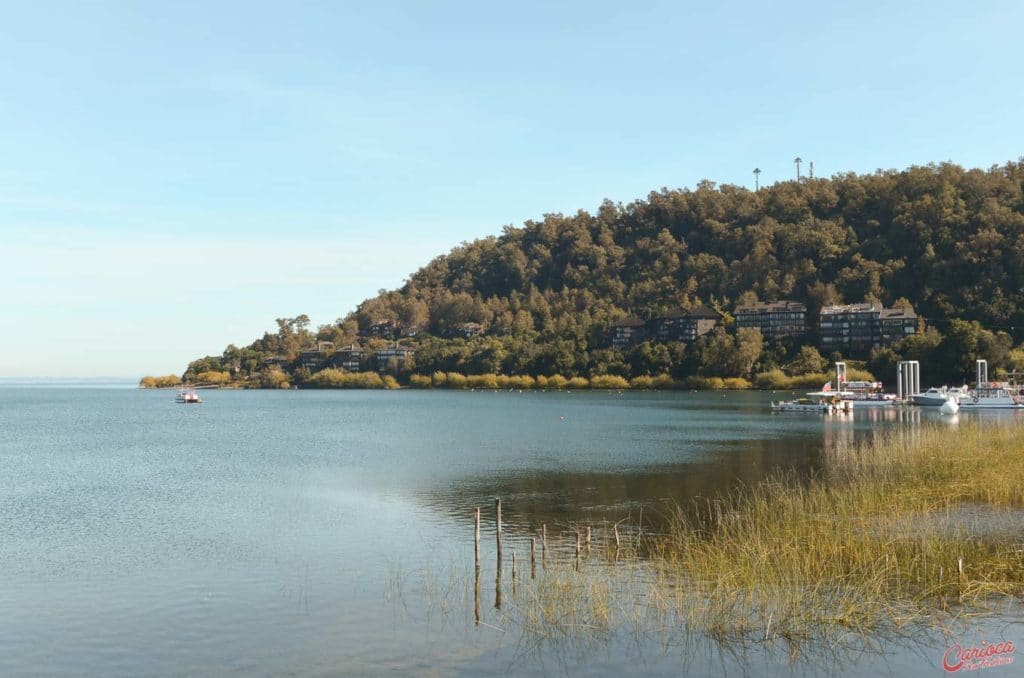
<point>175,176</point>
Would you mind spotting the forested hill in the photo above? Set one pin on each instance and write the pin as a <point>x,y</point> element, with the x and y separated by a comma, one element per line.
<point>948,240</point>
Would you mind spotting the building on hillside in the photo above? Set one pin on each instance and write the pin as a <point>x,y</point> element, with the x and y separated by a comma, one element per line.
<point>400,354</point>
<point>626,332</point>
<point>858,328</point>
<point>382,329</point>
<point>468,330</point>
<point>278,361</point>
<point>895,324</point>
<point>313,358</point>
<point>775,319</point>
<point>348,358</point>
<point>682,325</point>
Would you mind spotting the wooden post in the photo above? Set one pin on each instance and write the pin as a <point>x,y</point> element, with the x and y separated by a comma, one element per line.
<point>588,538</point>
<point>544,543</point>
<point>497,509</point>
<point>476,595</point>
<point>513,565</point>
<point>577,549</point>
<point>533,557</point>
<point>477,539</point>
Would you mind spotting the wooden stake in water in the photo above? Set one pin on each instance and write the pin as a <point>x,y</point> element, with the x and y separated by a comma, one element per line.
<point>513,565</point>
<point>533,557</point>
<point>588,538</point>
<point>497,510</point>
<point>544,543</point>
<point>577,549</point>
<point>477,539</point>
<point>476,596</point>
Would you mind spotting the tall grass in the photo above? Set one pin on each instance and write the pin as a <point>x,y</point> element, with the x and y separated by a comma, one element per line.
<point>888,534</point>
<point>908,533</point>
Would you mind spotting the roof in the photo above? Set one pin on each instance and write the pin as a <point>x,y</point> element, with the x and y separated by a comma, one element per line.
<point>705,311</point>
<point>349,348</point>
<point>631,321</point>
<point>897,313</point>
<point>783,305</point>
<point>850,308</point>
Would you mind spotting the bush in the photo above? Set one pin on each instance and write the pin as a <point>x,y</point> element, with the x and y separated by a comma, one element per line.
<point>333,377</point>
<point>212,377</point>
<point>503,381</point>
<point>455,380</point>
<point>642,383</point>
<point>483,381</point>
<point>542,381</point>
<point>390,382</point>
<point>438,379</point>
<point>557,381</point>
<point>608,381</point>
<point>577,383</point>
<point>273,378</point>
<point>160,382</point>
<point>664,381</point>
<point>420,381</point>
<point>772,380</point>
<point>524,381</point>
<point>737,384</point>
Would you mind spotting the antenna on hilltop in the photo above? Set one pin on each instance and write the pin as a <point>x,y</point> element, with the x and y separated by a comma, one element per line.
<point>757,175</point>
<point>810,170</point>
<point>797,160</point>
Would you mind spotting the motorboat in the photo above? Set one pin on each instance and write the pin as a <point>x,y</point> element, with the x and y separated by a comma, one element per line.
<point>992,396</point>
<point>807,405</point>
<point>188,397</point>
<point>936,396</point>
<point>858,394</point>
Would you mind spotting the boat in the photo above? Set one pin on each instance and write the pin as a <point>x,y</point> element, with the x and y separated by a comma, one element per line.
<point>992,395</point>
<point>858,394</point>
<point>807,405</point>
<point>188,397</point>
<point>937,396</point>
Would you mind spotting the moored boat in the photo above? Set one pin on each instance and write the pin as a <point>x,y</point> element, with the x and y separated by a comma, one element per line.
<point>188,397</point>
<point>992,396</point>
<point>808,405</point>
<point>937,396</point>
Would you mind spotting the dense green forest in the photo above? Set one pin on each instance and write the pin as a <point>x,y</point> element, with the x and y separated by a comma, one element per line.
<point>945,240</point>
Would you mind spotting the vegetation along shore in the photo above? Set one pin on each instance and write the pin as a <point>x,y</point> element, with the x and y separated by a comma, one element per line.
<point>703,284</point>
<point>916,531</point>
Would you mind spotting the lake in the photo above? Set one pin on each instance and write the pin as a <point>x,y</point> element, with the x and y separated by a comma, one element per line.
<point>269,532</point>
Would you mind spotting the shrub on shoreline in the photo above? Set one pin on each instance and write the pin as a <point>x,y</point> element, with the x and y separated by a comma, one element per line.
<point>166,381</point>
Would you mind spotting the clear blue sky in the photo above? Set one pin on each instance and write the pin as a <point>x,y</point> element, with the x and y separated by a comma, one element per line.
<point>173,176</point>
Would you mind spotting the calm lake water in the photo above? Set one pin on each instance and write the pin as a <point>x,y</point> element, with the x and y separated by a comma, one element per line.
<point>264,532</point>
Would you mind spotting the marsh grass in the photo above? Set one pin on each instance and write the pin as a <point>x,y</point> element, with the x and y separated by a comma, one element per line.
<point>915,532</point>
<point>890,536</point>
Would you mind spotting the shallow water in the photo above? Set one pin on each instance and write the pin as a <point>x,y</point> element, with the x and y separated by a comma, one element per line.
<point>263,532</point>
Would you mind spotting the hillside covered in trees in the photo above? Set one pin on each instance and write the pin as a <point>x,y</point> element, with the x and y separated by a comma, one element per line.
<point>540,299</point>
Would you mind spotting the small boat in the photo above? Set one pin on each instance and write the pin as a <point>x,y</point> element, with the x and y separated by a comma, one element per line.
<point>936,396</point>
<point>808,405</point>
<point>188,397</point>
<point>858,394</point>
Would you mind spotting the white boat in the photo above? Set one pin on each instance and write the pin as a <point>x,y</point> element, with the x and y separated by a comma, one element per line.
<point>808,405</point>
<point>991,396</point>
<point>858,394</point>
<point>188,397</point>
<point>937,396</point>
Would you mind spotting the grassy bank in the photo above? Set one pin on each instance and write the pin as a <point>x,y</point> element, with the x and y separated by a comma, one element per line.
<point>886,536</point>
<point>914,532</point>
